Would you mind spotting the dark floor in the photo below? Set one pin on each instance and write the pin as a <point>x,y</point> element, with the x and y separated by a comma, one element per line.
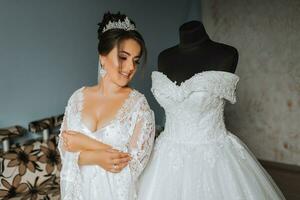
<point>287,177</point>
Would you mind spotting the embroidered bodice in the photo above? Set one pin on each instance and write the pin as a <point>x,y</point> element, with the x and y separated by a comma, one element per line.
<point>196,104</point>
<point>195,157</point>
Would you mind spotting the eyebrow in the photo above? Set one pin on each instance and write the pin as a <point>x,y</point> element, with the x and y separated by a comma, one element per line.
<point>122,51</point>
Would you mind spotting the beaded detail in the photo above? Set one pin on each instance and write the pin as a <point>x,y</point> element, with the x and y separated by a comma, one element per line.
<point>200,102</point>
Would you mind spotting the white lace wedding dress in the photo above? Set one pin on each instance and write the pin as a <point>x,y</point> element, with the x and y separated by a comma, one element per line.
<point>195,157</point>
<point>132,130</point>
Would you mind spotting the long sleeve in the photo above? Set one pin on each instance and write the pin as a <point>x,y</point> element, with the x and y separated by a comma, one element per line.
<point>70,172</point>
<point>141,142</point>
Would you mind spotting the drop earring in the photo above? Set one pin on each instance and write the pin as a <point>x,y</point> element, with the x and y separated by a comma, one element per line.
<point>102,71</point>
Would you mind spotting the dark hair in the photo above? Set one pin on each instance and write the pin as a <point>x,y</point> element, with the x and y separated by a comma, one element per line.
<point>112,37</point>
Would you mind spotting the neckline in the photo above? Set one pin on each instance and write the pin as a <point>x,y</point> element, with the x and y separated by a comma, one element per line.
<point>195,75</point>
<point>116,115</point>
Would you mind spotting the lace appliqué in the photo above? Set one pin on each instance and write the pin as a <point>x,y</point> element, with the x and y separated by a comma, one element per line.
<point>224,87</point>
<point>70,174</point>
<point>141,142</point>
<point>134,129</point>
<point>121,115</point>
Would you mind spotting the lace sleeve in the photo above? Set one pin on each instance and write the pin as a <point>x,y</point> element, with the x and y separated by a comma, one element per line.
<point>141,141</point>
<point>70,172</point>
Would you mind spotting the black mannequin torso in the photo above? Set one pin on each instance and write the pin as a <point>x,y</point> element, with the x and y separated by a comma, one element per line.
<point>196,53</point>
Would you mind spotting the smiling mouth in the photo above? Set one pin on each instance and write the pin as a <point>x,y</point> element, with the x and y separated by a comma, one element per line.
<point>125,75</point>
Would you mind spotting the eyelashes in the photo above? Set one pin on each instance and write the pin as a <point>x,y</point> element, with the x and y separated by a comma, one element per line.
<point>122,58</point>
<point>125,58</point>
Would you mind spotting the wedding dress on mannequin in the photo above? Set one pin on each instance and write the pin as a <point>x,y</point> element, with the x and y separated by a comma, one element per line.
<point>196,157</point>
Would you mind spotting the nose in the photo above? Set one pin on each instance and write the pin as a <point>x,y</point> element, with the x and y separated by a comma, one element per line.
<point>130,66</point>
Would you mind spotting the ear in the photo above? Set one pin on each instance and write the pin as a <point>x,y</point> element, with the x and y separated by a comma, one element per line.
<point>102,59</point>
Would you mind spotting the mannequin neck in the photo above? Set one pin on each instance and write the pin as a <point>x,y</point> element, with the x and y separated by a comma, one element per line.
<point>192,33</point>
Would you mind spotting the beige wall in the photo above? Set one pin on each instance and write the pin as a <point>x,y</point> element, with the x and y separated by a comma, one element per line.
<point>267,36</point>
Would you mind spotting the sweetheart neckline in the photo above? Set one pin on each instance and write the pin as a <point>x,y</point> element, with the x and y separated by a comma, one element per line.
<point>195,75</point>
<point>116,116</point>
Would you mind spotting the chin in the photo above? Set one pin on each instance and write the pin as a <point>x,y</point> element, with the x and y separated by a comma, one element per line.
<point>122,83</point>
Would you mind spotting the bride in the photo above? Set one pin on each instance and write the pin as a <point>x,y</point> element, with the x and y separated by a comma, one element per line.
<point>108,129</point>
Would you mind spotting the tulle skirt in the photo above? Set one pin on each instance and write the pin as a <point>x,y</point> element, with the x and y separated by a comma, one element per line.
<point>220,169</point>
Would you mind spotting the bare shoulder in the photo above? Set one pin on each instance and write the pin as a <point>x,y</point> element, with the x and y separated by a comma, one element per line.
<point>89,89</point>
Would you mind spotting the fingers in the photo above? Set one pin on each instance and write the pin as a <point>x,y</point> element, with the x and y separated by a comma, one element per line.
<point>69,132</point>
<point>119,161</point>
<point>66,144</point>
<point>65,135</point>
<point>117,154</point>
<point>112,150</point>
<point>118,168</point>
<point>123,165</point>
<point>65,140</point>
<point>119,164</point>
<point>114,168</point>
<point>120,156</point>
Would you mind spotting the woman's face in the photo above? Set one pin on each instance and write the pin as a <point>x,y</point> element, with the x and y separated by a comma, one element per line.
<point>121,63</point>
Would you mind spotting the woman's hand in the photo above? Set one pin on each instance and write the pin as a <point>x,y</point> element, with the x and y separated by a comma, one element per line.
<point>110,160</point>
<point>113,160</point>
<point>95,152</point>
<point>75,141</point>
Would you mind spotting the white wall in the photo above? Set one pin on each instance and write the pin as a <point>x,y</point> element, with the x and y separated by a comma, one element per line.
<point>266,34</point>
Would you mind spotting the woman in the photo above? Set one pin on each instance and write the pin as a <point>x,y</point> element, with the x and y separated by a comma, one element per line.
<point>108,129</point>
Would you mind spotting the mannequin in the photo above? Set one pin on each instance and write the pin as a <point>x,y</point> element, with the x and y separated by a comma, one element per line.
<point>195,53</point>
<point>196,157</point>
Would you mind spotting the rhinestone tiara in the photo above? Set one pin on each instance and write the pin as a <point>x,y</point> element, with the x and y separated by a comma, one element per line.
<point>125,25</point>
